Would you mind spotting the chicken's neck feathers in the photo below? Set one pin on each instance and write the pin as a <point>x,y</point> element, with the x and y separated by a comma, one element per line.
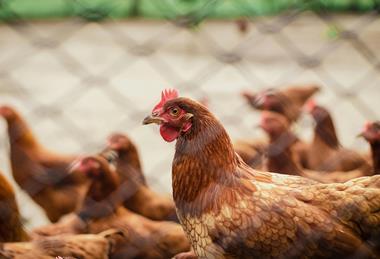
<point>129,166</point>
<point>279,154</point>
<point>20,134</point>
<point>206,170</point>
<point>325,133</point>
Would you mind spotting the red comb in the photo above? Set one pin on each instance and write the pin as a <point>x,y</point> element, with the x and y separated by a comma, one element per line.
<point>367,125</point>
<point>166,95</point>
<point>310,105</point>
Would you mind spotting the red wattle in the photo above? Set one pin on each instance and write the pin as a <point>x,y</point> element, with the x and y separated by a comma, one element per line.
<point>168,133</point>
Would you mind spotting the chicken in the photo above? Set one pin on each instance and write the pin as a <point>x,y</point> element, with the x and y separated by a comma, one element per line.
<point>138,197</point>
<point>285,148</point>
<point>70,246</point>
<point>15,242</point>
<point>371,133</point>
<point>255,152</point>
<point>146,238</point>
<point>280,156</point>
<point>325,152</point>
<point>11,227</point>
<point>40,172</point>
<point>230,210</point>
<point>288,101</point>
<point>102,209</point>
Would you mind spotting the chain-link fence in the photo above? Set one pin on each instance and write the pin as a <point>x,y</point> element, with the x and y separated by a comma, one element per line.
<point>78,79</point>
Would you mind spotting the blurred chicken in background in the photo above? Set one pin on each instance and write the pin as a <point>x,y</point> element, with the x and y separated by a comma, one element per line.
<point>137,196</point>
<point>102,209</point>
<point>326,153</point>
<point>16,243</point>
<point>281,154</point>
<point>11,227</point>
<point>371,133</point>
<point>288,102</point>
<point>41,173</point>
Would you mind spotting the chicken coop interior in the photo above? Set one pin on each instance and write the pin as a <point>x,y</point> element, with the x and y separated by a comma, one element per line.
<point>78,71</point>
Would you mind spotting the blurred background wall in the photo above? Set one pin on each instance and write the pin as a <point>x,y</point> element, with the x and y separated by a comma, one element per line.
<point>79,70</point>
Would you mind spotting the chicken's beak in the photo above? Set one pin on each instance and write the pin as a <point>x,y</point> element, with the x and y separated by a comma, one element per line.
<point>153,119</point>
<point>360,135</point>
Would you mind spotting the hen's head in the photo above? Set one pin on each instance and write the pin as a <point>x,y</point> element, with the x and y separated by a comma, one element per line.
<point>8,113</point>
<point>269,99</point>
<point>118,142</point>
<point>274,124</point>
<point>174,114</point>
<point>99,200</point>
<point>318,112</point>
<point>92,166</point>
<point>104,179</point>
<point>371,132</point>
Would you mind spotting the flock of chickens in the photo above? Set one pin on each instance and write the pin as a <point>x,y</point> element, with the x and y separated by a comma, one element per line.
<point>322,202</point>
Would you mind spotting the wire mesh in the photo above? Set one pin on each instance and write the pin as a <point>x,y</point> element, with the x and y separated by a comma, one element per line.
<point>76,80</point>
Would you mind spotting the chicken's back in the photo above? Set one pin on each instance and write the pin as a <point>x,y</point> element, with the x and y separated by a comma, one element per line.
<point>287,219</point>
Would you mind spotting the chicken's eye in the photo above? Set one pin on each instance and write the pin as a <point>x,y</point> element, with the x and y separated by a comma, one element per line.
<point>174,111</point>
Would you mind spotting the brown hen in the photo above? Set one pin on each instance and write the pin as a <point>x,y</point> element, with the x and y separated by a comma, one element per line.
<point>371,133</point>
<point>283,149</point>
<point>41,173</point>
<point>284,153</point>
<point>325,152</point>
<point>138,197</point>
<point>102,209</point>
<point>11,227</point>
<point>288,101</point>
<point>15,242</point>
<point>229,210</point>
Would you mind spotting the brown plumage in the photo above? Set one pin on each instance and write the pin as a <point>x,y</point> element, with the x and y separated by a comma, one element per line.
<point>229,210</point>
<point>256,152</point>
<point>285,149</point>
<point>137,195</point>
<point>325,152</point>
<point>371,133</point>
<point>288,101</point>
<point>332,177</point>
<point>251,151</point>
<point>41,173</point>
<point>15,243</point>
<point>11,227</point>
<point>69,246</point>
<point>280,153</point>
<point>102,209</point>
